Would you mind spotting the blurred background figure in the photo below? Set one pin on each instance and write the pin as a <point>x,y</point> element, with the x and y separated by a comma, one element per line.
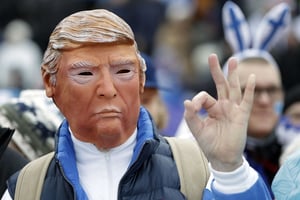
<point>10,159</point>
<point>20,58</point>
<point>290,149</point>
<point>252,52</point>
<point>177,34</point>
<point>35,119</point>
<point>190,31</point>
<point>288,130</point>
<point>286,182</point>
<point>288,56</point>
<point>151,98</point>
<point>262,146</point>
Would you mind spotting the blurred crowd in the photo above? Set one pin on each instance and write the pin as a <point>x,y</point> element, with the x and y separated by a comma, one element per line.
<point>178,35</point>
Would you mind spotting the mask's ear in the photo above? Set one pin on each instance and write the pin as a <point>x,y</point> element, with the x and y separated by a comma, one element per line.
<point>272,26</point>
<point>236,29</point>
<point>49,86</point>
<point>142,72</point>
<point>142,81</point>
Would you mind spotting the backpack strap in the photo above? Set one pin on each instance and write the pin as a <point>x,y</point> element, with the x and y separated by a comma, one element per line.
<point>192,166</point>
<point>31,178</point>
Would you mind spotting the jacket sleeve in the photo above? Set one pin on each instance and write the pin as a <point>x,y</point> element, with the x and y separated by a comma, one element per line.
<point>243,183</point>
<point>286,182</point>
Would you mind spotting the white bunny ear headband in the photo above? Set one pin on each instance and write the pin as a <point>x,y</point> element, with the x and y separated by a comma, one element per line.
<point>238,35</point>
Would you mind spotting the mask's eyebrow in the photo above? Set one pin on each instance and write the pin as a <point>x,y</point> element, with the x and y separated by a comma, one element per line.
<point>82,64</point>
<point>122,61</point>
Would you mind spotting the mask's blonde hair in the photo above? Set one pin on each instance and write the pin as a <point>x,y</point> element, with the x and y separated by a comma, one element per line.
<point>97,26</point>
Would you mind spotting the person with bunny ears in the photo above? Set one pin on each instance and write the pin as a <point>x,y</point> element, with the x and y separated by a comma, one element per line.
<point>252,52</point>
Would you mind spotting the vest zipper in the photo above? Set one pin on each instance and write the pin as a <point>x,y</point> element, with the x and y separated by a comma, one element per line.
<point>109,173</point>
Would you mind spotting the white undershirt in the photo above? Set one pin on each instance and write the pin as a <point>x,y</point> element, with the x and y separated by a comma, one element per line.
<point>100,171</point>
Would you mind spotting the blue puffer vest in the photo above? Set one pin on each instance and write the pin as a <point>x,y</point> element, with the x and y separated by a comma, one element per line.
<point>151,175</point>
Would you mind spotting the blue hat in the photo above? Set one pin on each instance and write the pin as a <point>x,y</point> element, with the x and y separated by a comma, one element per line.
<point>151,77</point>
<point>151,80</point>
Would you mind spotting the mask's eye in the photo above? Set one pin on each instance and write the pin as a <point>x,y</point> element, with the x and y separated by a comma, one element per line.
<point>123,71</point>
<point>85,74</point>
<point>82,75</point>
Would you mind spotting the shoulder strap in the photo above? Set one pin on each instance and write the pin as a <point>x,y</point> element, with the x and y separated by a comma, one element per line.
<point>192,166</point>
<point>31,178</point>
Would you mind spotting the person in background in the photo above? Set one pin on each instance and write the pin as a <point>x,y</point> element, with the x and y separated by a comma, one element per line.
<point>286,182</point>
<point>20,57</point>
<point>10,160</point>
<point>151,98</point>
<point>262,149</point>
<point>252,52</point>
<point>289,125</point>
<point>35,119</point>
<point>290,149</point>
<point>107,147</point>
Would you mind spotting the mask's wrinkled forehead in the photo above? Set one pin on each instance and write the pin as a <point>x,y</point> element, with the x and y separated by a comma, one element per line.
<point>92,26</point>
